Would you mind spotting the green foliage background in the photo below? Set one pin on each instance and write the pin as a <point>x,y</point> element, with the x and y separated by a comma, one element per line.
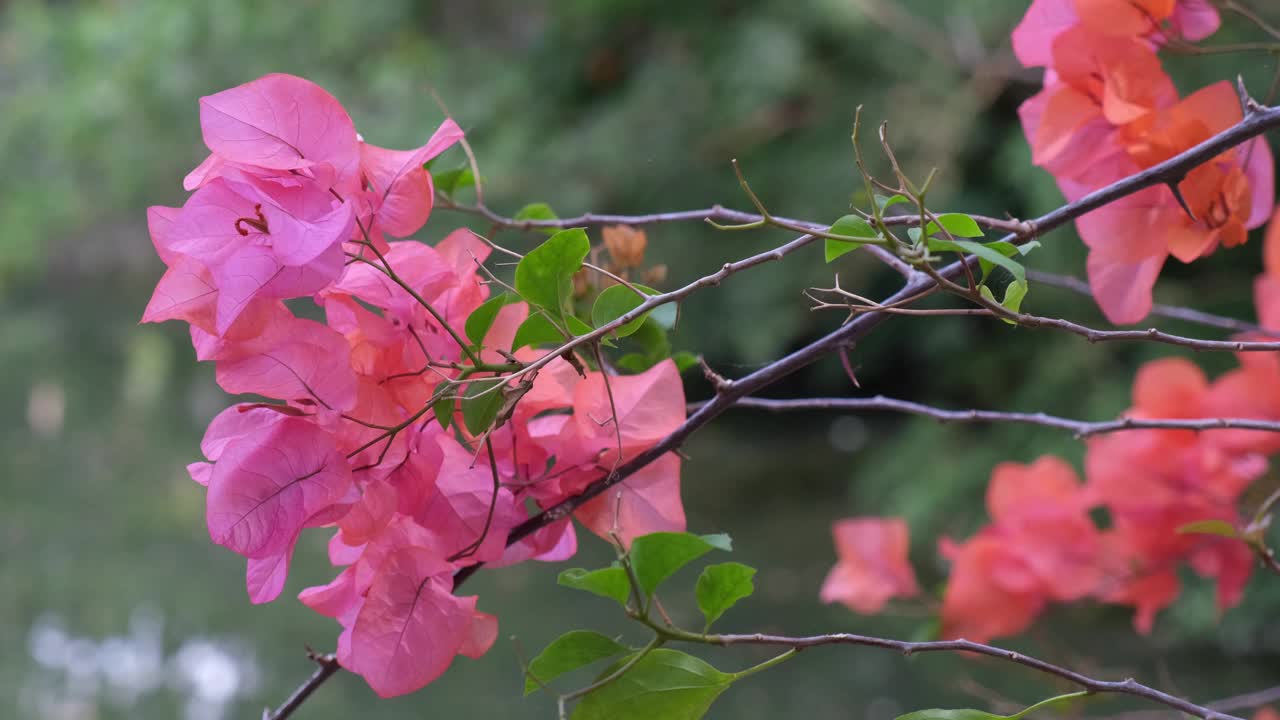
<point>589,105</point>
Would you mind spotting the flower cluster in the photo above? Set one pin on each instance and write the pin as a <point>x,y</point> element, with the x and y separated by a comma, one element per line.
<point>1108,110</point>
<point>292,203</point>
<point>1043,545</point>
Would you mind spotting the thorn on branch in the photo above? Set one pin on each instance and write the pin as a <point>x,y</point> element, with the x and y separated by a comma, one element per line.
<point>1177,195</point>
<point>1248,105</point>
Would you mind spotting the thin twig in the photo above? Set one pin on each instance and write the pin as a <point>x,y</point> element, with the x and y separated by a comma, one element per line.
<point>1128,686</point>
<point>1173,312</point>
<point>328,666</point>
<point>1080,428</point>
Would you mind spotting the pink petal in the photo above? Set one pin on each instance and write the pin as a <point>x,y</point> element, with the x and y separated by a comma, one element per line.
<point>266,486</point>
<point>649,406</point>
<point>1260,170</point>
<point>254,272</point>
<point>335,599</point>
<point>236,422</point>
<point>873,565</point>
<point>464,250</point>
<point>265,577</point>
<point>410,627</point>
<point>1033,37</point>
<point>185,292</point>
<point>311,363</point>
<point>481,636</point>
<point>1123,289</point>
<point>647,502</point>
<point>369,516</point>
<point>200,472</point>
<point>419,265</point>
<point>460,510</point>
<point>1195,20</point>
<point>553,543</point>
<point>281,122</point>
<point>160,221</point>
<point>401,186</point>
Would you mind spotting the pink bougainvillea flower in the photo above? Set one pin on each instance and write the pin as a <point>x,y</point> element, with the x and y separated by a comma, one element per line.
<point>1151,20</point>
<point>399,193</point>
<point>267,485</point>
<point>646,502</point>
<point>304,361</point>
<point>350,442</point>
<point>648,407</point>
<point>872,564</point>
<point>410,626</point>
<point>280,122</point>
<point>260,240</point>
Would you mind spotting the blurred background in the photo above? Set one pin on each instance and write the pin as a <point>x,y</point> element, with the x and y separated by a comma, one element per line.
<point>113,602</point>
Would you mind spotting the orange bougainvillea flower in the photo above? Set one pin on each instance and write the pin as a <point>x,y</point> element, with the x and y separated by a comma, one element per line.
<point>991,593</point>
<point>1107,111</point>
<point>872,565</point>
<point>1154,482</point>
<point>1129,240</point>
<point>1040,547</point>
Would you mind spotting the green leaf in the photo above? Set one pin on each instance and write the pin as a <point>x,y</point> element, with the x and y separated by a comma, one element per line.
<point>576,325</point>
<point>618,300</point>
<point>719,541</point>
<point>1016,290</point>
<point>721,586</point>
<point>665,684</point>
<point>443,408</point>
<point>1007,249</point>
<point>610,582</point>
<point>536,330</point>
<point>544,277</point>
<point>656,556</point>
<point>684,360</point>
<point>958,224</point>
<point>852,226</point>
<point>479,410</point>
<point>633,363</point>
<point>482,318</point>
<point>652,340</point>
<point>885,202</point>
<point>450,182</point>
<point>569,652</point>
<point>1209,527</point>
<point>665,315</point>
<point>537,211</point>
<point>967,714</point>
